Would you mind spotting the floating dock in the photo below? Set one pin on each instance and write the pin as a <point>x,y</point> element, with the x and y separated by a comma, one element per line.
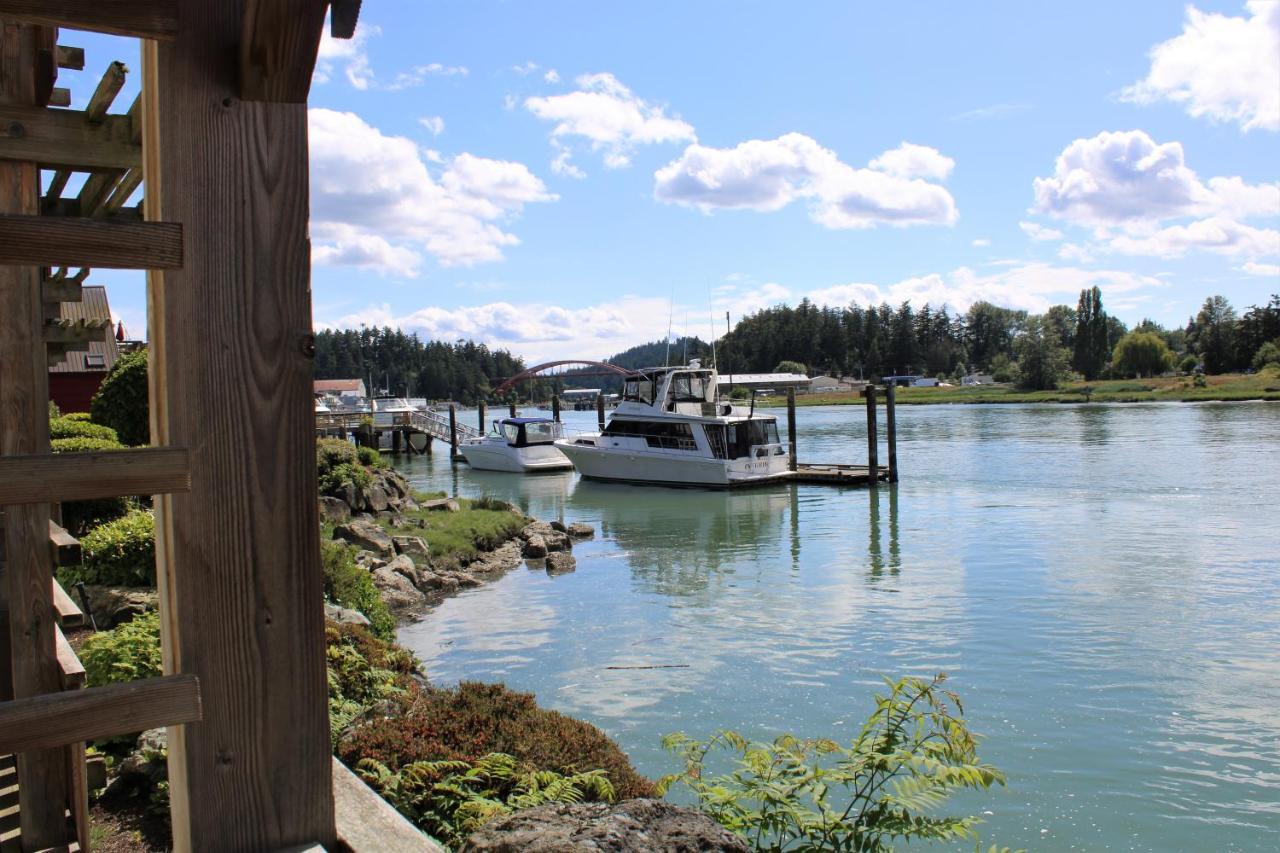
<point>831,474</point>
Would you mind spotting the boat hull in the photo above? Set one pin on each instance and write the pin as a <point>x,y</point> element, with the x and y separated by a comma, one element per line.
<point>500,456</point>
<point>637,466</point>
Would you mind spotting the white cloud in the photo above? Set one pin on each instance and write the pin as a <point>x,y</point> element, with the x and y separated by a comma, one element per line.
<point>1075,252</point>
<point>767,175</point>
<point>1039,233</point>
<point>536,331</point>
<point>435,124</point>
<point>418,75</point>
<point>1222,68</point>
<point>525,69</point>
<point>351,55</point>
<point>374,201</point>
<point>993,111</point>
<point>981,243</point>
<point>552,76</point>
<point>914,161</point>
<point>1222,236</point>
<point>1252,268</point>
<point>610,116</point>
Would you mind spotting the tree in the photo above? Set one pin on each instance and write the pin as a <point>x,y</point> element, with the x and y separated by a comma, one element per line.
<point>786,366</point>
<point>1092,347</point>
<point>1211,334</point>
<point>1042,360</point>
<point>1268,353</point>
<point>122,402</point>
<point>1141,354</point>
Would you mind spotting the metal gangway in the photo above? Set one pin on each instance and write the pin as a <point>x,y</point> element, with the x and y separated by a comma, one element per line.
<point>436,425</point>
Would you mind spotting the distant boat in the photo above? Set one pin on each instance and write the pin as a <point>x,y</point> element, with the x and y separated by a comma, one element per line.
<point>388,411</point>
<point>517,444</point>
<point>671,429</point>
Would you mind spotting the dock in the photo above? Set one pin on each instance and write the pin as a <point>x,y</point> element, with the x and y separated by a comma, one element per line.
<point>832,474</point>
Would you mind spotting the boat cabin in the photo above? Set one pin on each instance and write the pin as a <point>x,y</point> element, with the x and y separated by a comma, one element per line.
<point>689,391</point>
<point>528,432</point>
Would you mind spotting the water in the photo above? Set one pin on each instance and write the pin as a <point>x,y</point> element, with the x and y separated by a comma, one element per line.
<point>1102,584</point>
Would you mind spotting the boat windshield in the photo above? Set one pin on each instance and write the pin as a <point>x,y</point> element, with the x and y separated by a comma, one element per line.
<point>639,389</point>
<point>541,433</point>
<point>690,387</point>
<point>740,437</point>
<point>511,432</point>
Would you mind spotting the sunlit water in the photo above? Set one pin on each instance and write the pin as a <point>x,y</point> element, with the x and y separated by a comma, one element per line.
<point>1102,584</point>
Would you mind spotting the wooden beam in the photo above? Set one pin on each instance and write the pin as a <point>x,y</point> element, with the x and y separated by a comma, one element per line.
<point>278,44</point>
<point>49,241</point>
<point>66,548</point>
<point>237,609</point>
<point>70,58</point>
<point>61,719</point>
<point>49,478</point>
<point>64,609</point>
<point>68,664</point>
<point>26,69</point>
<point>105,94</point>
<point>61,291</point>
<point>343,15</point>
<point>144,19</point>
<point>79,332</point>
<point>66,139</point>
<point>60,97</point>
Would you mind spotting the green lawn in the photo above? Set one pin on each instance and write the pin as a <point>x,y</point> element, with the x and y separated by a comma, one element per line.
<point>1231,386</point>
<point>458,535</point>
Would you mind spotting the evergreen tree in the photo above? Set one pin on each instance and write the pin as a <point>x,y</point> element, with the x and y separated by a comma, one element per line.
<point>1092,345</point>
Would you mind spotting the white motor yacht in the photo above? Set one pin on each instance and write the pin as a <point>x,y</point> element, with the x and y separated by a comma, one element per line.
<point>670,429</point>
<point>391,411</point>
<point>517,444</point>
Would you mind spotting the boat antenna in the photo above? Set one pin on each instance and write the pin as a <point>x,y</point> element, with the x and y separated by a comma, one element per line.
<point>686,336</point>
<point>714,363</point>
<point>728,331</point>
<point>671,310</point>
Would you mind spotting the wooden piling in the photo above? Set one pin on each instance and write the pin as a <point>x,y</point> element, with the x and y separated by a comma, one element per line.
<point>555,408</point>
<point>600,411</point>
<point>453,431</point>
<point>513,410</point>
<point>791,426</point>
<point>480,419</point>
<point>891,430</point>
<point>873,439</point>
<point>397,435</point>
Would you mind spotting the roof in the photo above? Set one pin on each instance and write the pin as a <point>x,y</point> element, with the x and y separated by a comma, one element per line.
<point>92,306</point>
<point>528,421</point>
<point>736,378</point>
<point>338,385</point>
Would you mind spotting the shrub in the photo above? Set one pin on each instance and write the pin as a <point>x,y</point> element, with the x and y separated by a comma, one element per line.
<point>68,427</point>
<point>81,444</point>
<point>452,799</point>
<point>1188,364</point>
<point>82,417</point>
<point>122,402</point>
<point>125,653</point>
<point>467,722</point>
<point>371,458</point>
<point>1141,354</point>
<point>1268,353</point>
<point>349,585</point>
<point>335,481</point>
<point>910,755</point>
<point>332,452</point>
<point>120,552</point>
<point>363,671</point>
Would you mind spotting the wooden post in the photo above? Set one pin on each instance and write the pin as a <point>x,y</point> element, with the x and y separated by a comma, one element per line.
<point>791,425</point>
<point>600,411</point>
<point>44,783</point>
<point>231,358</point>
<point>555,408</point>
<point>891,430</point>
<point>397,435</point>
<point>453,431</point>
<point>873,439</point>
<point>513,410</point>
<point>480,425</point>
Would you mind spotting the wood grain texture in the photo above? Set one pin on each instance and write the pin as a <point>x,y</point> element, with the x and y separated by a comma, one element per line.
<point>237,557</point>
<point>65,610</point>
<point>145,19</point>
<point>278,45</point>
<point>44,784</point>
<point>45,478</point>
<point>70,58</point>
<point>62,719</point>
<point>66,550</point>
<point>368,823</point>
<point>55,242</point>
<point>69,666</point>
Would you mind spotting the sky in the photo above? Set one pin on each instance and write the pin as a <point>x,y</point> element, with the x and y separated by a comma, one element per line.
<point>568,179</point>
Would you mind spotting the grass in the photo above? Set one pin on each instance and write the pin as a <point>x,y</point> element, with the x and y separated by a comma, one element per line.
<point>1264,385</point>
<point>459,536</point>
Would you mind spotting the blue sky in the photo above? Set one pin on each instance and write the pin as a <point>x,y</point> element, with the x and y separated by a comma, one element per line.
<point>562,178</point>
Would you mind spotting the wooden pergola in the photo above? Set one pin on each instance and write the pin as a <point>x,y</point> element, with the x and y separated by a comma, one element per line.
<point>218,142</point>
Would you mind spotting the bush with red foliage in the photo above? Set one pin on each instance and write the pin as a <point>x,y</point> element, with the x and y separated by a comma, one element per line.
<point>473,719</point>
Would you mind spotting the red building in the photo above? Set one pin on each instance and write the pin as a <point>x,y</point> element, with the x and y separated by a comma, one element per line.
<point>76,378</point>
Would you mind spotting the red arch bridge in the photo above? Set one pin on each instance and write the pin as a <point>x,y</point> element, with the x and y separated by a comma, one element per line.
<point>600,368</point>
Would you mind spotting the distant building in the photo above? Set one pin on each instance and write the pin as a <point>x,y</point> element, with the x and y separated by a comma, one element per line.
<point>76,378</point>
<point>827,384</point>
<point>978,379</point>
<point>772,382</point>
<point>912,380</point>
<point>341,388</point>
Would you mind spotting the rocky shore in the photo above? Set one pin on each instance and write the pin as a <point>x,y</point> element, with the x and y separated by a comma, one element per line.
<point>380,522</point>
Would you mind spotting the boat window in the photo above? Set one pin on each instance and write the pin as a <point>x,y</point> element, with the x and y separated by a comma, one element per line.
<point>672,435</point>
<point>640,390</point>
<point>511,432</point>
<point>715,438</point>
<point>541,433</point>
<point>745,435</point>
<point>688,388</point>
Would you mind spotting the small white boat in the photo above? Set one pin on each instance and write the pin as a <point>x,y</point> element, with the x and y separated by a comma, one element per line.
<point>518,444</point>
<point>391,411</point>
<point>670,429</point>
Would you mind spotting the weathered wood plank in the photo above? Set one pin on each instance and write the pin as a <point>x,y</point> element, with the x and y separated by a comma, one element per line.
<point>44,785</point>
<point>61,719</point>
<point>56,332</point>
<point>237,558</point>
<point>55,477</point>
<point>48,241</point>
<point>70,58</point>
<point>68,664</point>
<point>145,19</point>
<point>60,97</point>
<point>61,290</point>
<point>65,610</point>
<point>66,549</point>
<point>103,96</point>
<point>278,44</point>
<point>343,15</point>
<point>368,823</point>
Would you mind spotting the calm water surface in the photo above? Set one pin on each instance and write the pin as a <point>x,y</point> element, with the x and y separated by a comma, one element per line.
<point>1102,584</point>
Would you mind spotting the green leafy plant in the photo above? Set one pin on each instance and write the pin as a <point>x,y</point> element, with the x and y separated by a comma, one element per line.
<point>331,452</point>
<point>122,402</point>
<point>83,444</point>
<point>362,672</point>
<point>371,458</point>
<point>350,585</point>
<point>125,653</point>
<point>452,799</point>
<point>336,480</point>
<point>809,795</point>
<point>120,552</point>
<point>69,427</point>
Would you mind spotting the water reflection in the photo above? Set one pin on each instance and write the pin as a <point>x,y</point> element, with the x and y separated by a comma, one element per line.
<point>874,550</point>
